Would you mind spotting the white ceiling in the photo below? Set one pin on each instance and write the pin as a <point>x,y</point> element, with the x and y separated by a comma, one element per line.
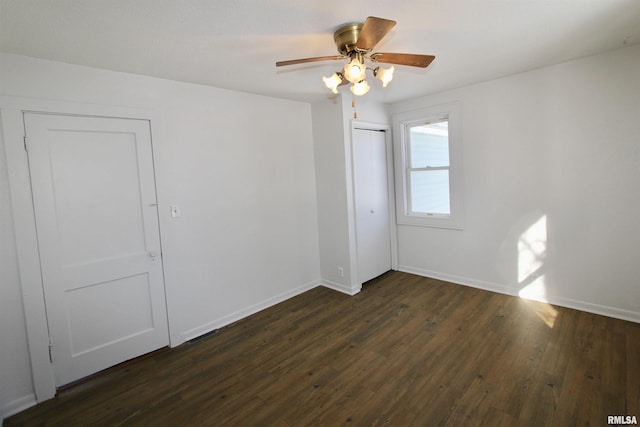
<point>234,44</point>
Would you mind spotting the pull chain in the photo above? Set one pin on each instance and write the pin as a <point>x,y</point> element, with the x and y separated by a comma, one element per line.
<point>353,105</point>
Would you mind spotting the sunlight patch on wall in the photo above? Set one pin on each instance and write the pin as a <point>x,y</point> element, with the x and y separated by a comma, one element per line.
<point>535,290</point>
<point>532,252</point>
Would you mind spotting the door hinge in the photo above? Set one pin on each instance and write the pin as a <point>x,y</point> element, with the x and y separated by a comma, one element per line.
<point>27,145</point>
<point>50,352</point>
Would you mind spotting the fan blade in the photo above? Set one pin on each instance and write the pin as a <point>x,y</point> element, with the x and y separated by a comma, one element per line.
<point>304,60</point>
<point>373,30</point>
<point>403,59</point>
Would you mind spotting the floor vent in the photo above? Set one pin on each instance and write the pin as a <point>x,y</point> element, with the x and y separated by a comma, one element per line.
<point>203,336</point>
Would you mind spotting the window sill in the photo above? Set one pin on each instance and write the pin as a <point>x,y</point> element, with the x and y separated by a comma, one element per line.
<point>428,221</point>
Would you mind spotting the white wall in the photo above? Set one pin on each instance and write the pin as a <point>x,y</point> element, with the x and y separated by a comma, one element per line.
<point>332,128</point>
<point>551,187</point>
<point>329,157</point>
<point>240,167</point>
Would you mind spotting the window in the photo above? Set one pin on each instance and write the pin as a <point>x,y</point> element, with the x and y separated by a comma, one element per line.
<point>428,155</point>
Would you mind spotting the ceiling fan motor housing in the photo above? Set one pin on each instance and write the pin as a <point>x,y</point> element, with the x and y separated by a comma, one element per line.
<point>346,37</point>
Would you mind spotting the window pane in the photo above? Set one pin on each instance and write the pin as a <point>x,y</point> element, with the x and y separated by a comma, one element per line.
<point>429,145</point>
<point>430,192</point>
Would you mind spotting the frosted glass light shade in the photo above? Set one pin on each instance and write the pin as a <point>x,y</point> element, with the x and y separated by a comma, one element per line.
<point>354,71</point>
<point>385,75</point>
<point>360,88</point>
<point>332,82</point>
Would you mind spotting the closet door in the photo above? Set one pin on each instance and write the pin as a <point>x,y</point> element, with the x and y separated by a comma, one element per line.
<point>373,238</point>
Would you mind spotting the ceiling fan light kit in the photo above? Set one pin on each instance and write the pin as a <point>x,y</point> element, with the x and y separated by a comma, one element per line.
<point>355,42</point>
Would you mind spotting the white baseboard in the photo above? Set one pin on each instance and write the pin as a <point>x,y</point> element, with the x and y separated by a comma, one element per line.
<point>16,406</point>
<point>459,280</point>
<point>245,312</point>
<point>603,310</point>
<point>341,288</point>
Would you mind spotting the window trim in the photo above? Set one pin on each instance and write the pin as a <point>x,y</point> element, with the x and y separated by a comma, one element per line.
<point>401,123</point>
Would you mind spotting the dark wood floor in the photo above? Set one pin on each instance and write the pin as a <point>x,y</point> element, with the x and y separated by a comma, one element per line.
<point>406,351</point>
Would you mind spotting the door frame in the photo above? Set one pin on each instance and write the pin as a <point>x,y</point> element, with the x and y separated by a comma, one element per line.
<point>29,270</point>
<point>353,250</point>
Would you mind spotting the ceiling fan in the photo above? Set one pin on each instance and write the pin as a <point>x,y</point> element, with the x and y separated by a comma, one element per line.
<point>355,42</point>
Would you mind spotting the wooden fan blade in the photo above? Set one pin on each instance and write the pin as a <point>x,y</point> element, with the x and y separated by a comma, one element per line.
<point>304,60</point>
<point>403,59</point>
<point>373,30</point>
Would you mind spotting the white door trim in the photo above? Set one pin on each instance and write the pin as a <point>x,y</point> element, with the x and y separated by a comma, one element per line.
<point>353,255</point>
<point>11,114</point>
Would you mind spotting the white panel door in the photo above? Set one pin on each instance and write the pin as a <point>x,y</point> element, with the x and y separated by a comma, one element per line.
<point>97,224</point>
<point>371,194</point>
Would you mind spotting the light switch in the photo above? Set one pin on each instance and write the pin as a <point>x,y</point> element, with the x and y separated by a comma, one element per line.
<point>175,211</point>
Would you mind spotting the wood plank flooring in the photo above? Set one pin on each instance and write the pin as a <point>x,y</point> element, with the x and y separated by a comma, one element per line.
<point>406,351</point>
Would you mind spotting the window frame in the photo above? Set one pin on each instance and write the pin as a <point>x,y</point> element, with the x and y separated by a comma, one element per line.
<point>402,122</point>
